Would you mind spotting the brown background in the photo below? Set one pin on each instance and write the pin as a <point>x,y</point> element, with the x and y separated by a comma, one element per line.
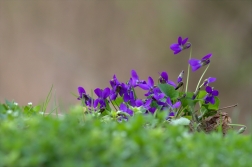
<point>83,43</point>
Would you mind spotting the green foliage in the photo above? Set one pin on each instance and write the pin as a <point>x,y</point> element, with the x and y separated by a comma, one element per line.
<point>79,139</point>
<point>169,91</point>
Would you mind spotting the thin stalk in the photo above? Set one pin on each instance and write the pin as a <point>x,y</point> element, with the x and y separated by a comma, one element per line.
<point>113,104</point>
<point>188,70</point>
<point>202,76</point>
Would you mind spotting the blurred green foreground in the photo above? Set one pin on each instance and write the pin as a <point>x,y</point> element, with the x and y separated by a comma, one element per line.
<point>78,139</point>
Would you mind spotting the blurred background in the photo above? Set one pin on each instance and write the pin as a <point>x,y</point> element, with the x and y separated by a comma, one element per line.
<point>84,43</point>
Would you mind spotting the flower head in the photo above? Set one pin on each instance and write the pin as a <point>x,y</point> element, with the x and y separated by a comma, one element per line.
<point>196,64</point>
<point>181,45</point>
<point>102,95</point>
<point>209,80</point>
<point>117,88</point>
<point>148,86</point>
<point>123,107</point>
<point>164,79</point>
<point>83,95</point>
<point>211,93</point>
<point>135,79</point>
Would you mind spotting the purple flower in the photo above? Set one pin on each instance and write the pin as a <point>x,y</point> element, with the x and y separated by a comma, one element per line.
<point>181,45</point>
<point>176,105</point>
<point>117,88</point>
<point>102,95</point>
<point>196,64</point>
<point>145,104</point>
<point>164,79</point>
<point>148,86</point>
<point>135,79</point>
<point>123,107</point>
<point>83,95</point>
<point>209,80</point>
<point>211,93</point>
<point>158,95</point>
<point>128,94</point>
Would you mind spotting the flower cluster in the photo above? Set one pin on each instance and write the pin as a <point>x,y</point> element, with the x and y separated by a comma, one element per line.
<point>129,102</point>
<point>166,95</point>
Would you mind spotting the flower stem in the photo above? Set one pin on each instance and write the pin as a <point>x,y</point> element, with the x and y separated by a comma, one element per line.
<point>113,104</point>
<point>188,70</point>
<point>202,77</point>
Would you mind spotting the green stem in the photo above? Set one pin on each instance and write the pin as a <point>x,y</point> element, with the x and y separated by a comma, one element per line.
<point>202,77</point>
<point>237,125</point>
<point>188,70</point>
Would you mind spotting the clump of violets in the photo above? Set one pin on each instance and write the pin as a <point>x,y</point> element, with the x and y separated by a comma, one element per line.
<point>120,102</point>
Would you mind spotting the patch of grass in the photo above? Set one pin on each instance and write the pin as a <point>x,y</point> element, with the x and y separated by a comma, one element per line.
<point>39,140</point>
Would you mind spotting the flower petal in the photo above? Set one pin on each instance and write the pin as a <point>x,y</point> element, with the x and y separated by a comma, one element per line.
<point>105,93</point>
<point>81,90</point>
<point>130,112</point>
<point>184,41</point>
<point>144,86</point>
<point>123,107</point>
<point>211,79</point>
<point>175,47</point>
<point>215,92</point>
<point>208,56</point>
<point>96,103</point>
<point>176,52</point>
<point>171,83</point>
<point>139,102</point>
<point>164,75</point>
<point>171,114</point>
<point>211,99</point>
<point>168,100</point>
<point>98,92</point>
<point>209,89</point>
<point>194,62</point>
<point>195,68</point>
<point>150,82</point>
<point>180,40</point>
<point>134,75</point>
<point>177,104</point>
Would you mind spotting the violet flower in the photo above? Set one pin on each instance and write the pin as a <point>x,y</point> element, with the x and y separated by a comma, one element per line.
<point>176,105</point>
<point>164,79</point>
<point>123,107</point>
<point>83,95</point>
<point>211,93</point>
<point>135,79</point>
<point>129,93</point>
<point>196,64</point>
<point>209,80</point>
<point>102,95</point>
<point>148,86</point>
<point>117,88</point>
<point>145,104</point>
<point>181,45</point>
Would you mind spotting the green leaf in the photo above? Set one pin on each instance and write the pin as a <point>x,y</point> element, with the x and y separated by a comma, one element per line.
<point>180,121</point>
<point>169,91</point>
<point>36,108</point>
<point>107,105</point>
<point>201,96</point>
<point>118,100</point>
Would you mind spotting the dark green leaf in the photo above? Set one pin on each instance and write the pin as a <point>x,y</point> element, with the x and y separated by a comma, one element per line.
<point>169,91</point>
